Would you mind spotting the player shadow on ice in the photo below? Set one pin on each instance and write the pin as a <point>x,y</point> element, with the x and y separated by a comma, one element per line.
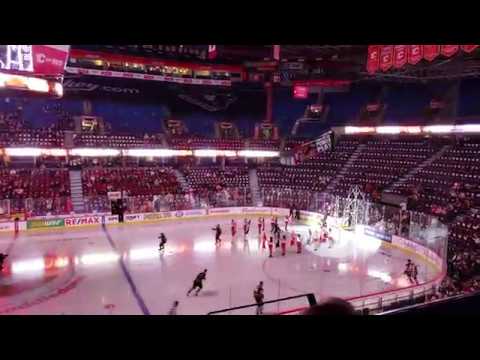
<point>208,293</point>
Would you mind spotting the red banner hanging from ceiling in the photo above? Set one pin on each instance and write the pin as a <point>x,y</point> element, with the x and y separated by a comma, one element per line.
<point>276,52</point>
<point>386,57</point>
<point>400,56</point>
<point>415,54</point>
<point>383,57</point>
<point>431,52</point>
<point>469,48</point>
<point>373,58</point>
<point>449,50</point>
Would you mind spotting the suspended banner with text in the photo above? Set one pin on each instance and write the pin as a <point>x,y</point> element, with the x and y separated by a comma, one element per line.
<point>384,57</point>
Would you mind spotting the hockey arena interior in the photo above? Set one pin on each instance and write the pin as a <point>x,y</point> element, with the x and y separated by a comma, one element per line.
<point>239,180</point>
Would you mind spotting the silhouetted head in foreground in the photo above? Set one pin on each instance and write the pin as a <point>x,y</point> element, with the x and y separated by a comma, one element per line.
<point>331,307</point>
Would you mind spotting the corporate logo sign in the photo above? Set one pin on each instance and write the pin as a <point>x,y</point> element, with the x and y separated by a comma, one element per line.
<point>87,220</point>
<point>378,234</point>
<point>83,86</point>
<point>37,224</point>
<point>50,59</point>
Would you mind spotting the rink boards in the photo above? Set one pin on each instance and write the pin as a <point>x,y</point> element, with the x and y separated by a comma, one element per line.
<point>310,218</point>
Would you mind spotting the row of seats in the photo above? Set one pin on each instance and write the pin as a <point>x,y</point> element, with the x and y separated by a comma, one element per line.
<point>134,181</point>
<point>36,183</point>
<point>450,184</point>
<point>211,177</point>
<point>381,162</point>
<point>295,177</point>
<point>33,138</point>
<point>111,141</point>
<point>463,258</point>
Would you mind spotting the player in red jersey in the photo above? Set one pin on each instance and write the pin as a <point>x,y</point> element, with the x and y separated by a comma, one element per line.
<point>264,240</point>
<point>283,245</point>
<point>2,260</point>
<point>293,239</point>
<point>299,244</point>
<point>270,247</point>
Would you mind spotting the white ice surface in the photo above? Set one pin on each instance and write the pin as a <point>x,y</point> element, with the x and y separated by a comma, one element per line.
<point>354,266</point>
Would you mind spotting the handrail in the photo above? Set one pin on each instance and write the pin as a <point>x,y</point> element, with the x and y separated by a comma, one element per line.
<point>311,300</point>
<point>438,277</point>
<point>377,294</point>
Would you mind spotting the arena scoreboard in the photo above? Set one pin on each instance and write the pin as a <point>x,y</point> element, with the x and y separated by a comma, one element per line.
<point>35,68</point>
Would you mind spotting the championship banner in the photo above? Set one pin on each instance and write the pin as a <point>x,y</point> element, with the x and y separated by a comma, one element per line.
<point>469,48</point>
<point>431,52</point>
<point>414,54</point>
<point>276,52</point>
<point>400,56</point>
<point>386,58</point>
<point>212,52</point>
<point>373,58</point>
<point>449,50</point>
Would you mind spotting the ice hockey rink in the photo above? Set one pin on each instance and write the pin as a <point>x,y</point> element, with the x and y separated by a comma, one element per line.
<point>119,270</point>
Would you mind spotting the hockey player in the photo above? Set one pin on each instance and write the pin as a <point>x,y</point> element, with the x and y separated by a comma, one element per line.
<point>218,233</point>
<point>264,240</point>
<point>2,260</point>
<point>283,244</point>
<point>286,220</point>
<point>173,309</point>
<point>319,236</point>
<point>293,239</point>
<point>415,273</point>
<point>270,247</point>
<point>409,270</point>
<point>299,244</point>
<point>330,239</point>
<point>276,233</point>
<point>309,236</point>
<point>246,227</point>
<point>234,228</point>
<point>198,282</point>
<point>259,226</point>
<point>277,236</point>
<point>272,225</point>
<point>263,224</point>
<point>163,241</point>
<point>258,296</point>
